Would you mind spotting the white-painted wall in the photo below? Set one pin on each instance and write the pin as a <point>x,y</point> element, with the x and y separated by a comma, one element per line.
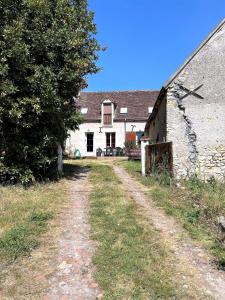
<point>77,139</point>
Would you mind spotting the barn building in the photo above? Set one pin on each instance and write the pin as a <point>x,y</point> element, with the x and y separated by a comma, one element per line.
<point>190,111</point>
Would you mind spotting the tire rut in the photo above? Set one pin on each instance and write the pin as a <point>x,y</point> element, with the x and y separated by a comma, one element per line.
<point>73,278</point>
<point>188,253</point>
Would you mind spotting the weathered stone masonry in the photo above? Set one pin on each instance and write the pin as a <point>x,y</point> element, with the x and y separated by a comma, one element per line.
<point>195,152</point>
<point>195,111</point>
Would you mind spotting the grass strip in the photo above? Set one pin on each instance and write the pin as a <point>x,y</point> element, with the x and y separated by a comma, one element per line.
<point>131,260</point>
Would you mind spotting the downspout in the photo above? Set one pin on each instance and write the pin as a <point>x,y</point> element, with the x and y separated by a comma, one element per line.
<point>125,129</point>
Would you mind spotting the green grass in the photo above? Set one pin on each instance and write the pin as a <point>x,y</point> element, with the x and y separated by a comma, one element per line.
<point>25,215</point>
<point>197,206</point>
<point>132,261</point>
<point>21,240</point>
<point>29,230</point>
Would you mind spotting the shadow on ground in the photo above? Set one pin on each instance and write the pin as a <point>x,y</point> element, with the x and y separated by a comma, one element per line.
<point>74,172</point>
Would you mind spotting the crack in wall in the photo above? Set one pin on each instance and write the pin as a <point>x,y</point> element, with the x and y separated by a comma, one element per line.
<point>191,135</point>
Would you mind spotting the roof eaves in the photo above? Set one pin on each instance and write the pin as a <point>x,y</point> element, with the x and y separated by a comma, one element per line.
<point>130,119</point>
<point>155,108</point>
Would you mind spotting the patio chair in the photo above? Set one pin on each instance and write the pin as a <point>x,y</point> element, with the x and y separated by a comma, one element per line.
<point>119,151</point>
<point>99,152</point>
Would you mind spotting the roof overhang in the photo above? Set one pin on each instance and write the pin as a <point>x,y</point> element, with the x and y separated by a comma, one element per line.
<point>162,93</point>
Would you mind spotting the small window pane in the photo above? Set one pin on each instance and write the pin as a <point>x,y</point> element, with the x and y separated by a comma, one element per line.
<point>84,110</point>
<point>123,110</point>
<point>150,110</point>
<point>111,139</point>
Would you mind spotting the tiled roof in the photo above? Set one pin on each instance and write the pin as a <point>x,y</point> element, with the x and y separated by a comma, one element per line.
<point>137,103</point>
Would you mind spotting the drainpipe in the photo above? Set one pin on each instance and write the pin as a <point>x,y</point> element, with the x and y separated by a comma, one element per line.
<point>125,129</point>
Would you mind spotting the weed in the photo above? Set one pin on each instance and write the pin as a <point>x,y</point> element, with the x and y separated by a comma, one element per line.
<point>17,242</point>
<point>161,173</point>
<point>21,240</point>
<point>192,216</point>
<point>41,216</point>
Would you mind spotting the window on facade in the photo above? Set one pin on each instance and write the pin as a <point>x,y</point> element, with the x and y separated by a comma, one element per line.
<point>107,114</point>
<point>90,142</point>
<point>84,110</point>
<point>111,139</point>
<point>123,110</point>
<point>150,109</point>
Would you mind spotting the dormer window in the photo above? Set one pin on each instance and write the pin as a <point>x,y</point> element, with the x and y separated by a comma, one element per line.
<point>107,112</point>
<point>84,110</point>
<point>123,110</point>
<point>150,109</point>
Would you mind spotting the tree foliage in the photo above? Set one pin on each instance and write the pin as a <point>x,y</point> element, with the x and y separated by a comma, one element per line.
<point>47,48</point>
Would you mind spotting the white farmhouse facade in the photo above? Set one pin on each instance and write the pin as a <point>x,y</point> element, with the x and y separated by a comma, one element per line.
<point>110,118</point>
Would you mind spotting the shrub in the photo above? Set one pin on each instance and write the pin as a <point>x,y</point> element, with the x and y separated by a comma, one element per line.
<point>130,145</point>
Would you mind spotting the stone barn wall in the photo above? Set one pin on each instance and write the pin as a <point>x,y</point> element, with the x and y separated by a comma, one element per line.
<point>157,128</point>
<point>196,123</point>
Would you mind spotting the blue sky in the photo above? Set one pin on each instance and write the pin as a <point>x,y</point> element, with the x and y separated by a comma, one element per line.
<point>148,40</point>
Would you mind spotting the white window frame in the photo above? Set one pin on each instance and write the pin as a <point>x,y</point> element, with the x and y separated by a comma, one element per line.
<point>123,110</point>
<point>84,110</point>
<point>150,109</point>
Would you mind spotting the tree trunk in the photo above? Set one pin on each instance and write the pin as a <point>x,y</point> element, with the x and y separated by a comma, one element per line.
<point>60,159</point>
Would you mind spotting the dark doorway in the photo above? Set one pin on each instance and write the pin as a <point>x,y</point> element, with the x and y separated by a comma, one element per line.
<point>90,142</point>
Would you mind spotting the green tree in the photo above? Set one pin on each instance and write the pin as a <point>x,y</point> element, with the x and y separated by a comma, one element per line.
<point>47,48</point>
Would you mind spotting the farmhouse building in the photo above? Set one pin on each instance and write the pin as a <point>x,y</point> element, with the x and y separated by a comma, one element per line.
<point>190,111</point>
<point>110,118</point>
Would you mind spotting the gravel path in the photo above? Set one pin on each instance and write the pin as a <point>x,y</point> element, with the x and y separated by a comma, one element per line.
<point>188,253</point>
<point>73,279</point>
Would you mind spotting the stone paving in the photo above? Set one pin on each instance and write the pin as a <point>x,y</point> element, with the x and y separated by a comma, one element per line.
<point>74,277</point>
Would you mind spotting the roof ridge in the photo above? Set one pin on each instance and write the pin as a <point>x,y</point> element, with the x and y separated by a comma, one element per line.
<point>119,91</point>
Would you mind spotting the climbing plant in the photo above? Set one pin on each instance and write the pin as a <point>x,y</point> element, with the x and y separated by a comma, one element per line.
<point>47,48</point>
